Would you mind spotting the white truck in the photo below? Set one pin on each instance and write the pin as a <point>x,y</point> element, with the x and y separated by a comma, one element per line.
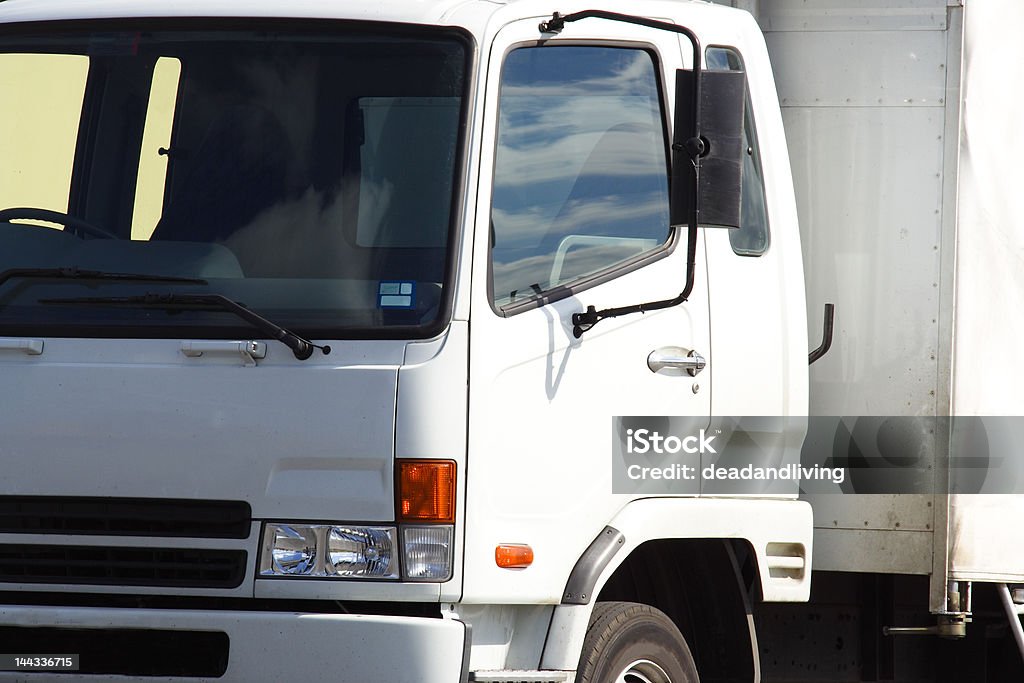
<point>337,339</point>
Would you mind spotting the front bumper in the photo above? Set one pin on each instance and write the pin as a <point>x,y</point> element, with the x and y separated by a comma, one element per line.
<point>260,646</point>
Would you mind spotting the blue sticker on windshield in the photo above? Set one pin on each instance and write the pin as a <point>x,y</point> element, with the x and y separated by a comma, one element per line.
<point>396,294</point>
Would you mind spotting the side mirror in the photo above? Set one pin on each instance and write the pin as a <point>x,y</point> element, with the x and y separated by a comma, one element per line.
<point>711,138</point>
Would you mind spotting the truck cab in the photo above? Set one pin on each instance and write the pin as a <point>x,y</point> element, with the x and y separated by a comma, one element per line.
<point>296,378</point>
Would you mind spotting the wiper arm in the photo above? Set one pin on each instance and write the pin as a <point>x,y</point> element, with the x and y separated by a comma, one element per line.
<point>302,348</point>
<point>79,274</point>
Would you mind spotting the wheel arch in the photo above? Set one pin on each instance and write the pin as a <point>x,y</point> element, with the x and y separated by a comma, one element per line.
<point>702,562</point>
<point>701,585</point>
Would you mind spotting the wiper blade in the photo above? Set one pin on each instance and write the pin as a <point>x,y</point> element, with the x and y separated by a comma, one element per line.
<point>79,274</point>
<point>301,347</point>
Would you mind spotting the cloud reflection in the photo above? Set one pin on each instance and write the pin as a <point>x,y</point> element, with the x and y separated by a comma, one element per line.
<point>581,152</point>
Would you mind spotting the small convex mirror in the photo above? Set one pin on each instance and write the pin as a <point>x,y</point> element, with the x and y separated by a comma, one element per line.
<point>719,126</point>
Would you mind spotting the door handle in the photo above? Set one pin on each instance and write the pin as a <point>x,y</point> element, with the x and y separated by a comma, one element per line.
<point>678,359</point>
<point>32,347</point>
<point>249,351</point>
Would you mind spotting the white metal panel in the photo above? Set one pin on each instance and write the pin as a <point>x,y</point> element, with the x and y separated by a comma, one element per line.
<point>938,583</point>
<point>329,589</point>
<point>766,524</point>
<point>415,11</point>
<point>860,69</point>
<point>841,15</point>
<point>352,648</point>
<point>431,411</point>
<point>986,536</point>
<point>870,196</point>
<point>986,540</point>
<point>881,551</point>
<point>874,511</point>
<point>865,102</point>
<point>506,636</point>
<point>138,418</point>
<point>990,237</point>
<point>431,417</point>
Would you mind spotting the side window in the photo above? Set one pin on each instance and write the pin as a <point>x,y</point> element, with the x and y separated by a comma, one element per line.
<point>751,239</point>
<point>581,180</point>
<point>43,97</point>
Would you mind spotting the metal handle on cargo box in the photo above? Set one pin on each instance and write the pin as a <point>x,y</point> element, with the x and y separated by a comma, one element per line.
<point>826,341</point>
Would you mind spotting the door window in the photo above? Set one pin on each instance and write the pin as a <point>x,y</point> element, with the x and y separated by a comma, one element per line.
<point>580,180</point>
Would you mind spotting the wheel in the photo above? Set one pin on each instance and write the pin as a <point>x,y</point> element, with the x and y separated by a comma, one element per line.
<point>627,642</point>
<point>31,213</point>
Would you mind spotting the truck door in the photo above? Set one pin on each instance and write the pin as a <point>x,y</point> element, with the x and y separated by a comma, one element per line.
<point>572,212</point>
<point>756,289</point>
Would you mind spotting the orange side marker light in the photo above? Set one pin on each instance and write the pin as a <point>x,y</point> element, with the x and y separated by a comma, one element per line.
<point>513,556</point>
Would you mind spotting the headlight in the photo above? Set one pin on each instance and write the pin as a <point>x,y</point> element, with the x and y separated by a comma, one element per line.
<point>328,550</point>
<point>427,552</point>
<point>361,551</point>
<point>293,550</point>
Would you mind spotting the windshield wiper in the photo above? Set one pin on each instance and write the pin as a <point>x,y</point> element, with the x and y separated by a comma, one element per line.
<point>302,348</point>
<point>79,274</point>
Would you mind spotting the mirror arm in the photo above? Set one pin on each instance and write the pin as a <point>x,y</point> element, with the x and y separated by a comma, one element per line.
<point>582,322</point>
<point>693,147</point>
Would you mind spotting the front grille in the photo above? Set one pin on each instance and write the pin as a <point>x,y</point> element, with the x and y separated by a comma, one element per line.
<point>125,516</point>
<point>98,565</point>
<point>127,652</point>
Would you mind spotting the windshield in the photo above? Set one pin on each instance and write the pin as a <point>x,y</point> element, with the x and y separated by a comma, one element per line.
<point>309,176</point>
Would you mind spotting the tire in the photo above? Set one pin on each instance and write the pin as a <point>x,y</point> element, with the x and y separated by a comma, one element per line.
<point>627,642</point>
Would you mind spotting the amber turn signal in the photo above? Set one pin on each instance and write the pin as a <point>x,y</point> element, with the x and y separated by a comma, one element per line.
<point>513,556</point>
<point>426,491</point>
